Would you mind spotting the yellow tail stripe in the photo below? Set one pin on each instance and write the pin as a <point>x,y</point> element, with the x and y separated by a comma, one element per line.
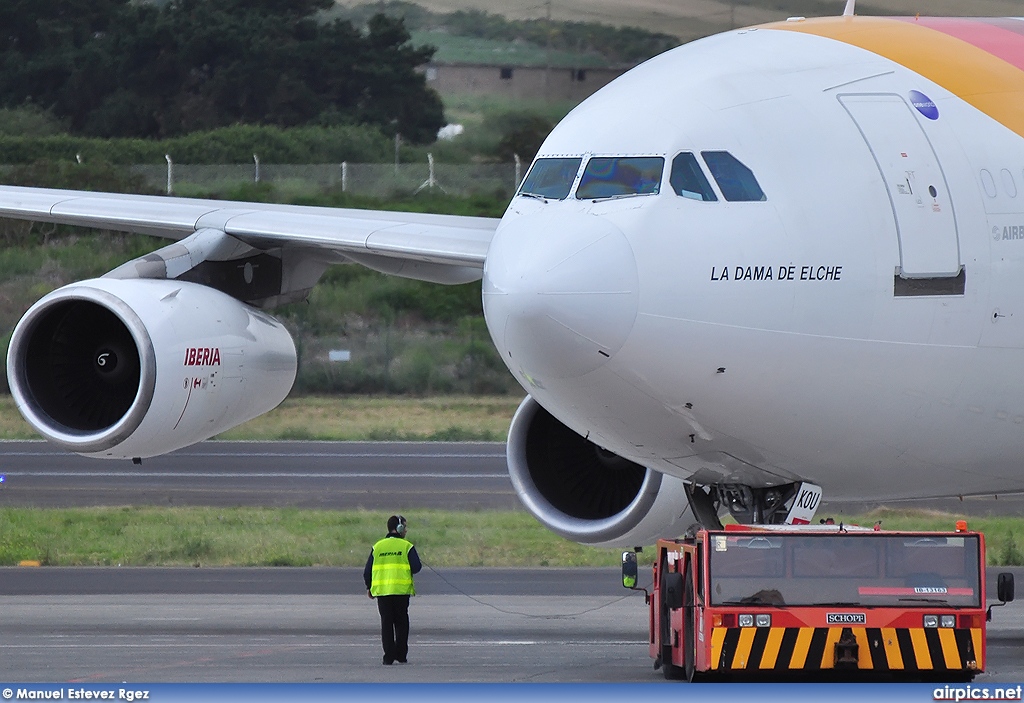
<point>828,657</point>
<point>924,659</point>
<point>717,639</point>
<point>892,648</point>
<point>771,647</point>
<point>978,651</point>
<point>767,655</point>
<point>950,652</point>
<point>863,648</point>
<point>739,660</point>
<point>803,643</point>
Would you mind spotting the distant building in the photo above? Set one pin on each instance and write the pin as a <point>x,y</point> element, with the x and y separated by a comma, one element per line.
<point>521,82</point>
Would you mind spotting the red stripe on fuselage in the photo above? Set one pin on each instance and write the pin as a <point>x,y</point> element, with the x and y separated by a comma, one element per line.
<point>1001,37</point>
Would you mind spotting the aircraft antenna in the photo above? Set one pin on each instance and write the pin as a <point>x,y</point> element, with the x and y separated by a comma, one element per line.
<point>848,12</point>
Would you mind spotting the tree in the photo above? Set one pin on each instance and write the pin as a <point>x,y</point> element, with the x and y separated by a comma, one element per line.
<point>394,93</point>
<point>116,68</point>
<point>521,133</point>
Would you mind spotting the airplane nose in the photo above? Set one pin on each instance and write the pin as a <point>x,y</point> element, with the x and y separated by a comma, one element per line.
<point>560,293</point>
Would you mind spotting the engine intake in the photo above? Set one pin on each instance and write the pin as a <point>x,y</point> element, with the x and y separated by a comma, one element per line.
<point>83,366</point>
<point>586,493</point>
<point>102,367</point>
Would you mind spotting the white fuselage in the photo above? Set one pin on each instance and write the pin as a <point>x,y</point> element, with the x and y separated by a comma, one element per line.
<point>762,342</point>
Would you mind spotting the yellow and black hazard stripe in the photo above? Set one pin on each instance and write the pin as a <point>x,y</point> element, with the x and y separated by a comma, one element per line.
<point>813,648</point>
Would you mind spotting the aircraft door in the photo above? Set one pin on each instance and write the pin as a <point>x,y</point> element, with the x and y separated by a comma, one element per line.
<point>920,199</point>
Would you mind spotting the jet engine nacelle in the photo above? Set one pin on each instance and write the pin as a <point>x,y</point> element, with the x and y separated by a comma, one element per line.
<point>585,493</point>
<point>136,367</point>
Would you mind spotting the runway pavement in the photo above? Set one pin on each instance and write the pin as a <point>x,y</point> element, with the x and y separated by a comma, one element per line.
<point>309,625</point>
<point>293,625</point>
<point>330,475</point>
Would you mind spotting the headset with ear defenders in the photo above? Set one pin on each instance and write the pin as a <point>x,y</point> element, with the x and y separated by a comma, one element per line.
<point>400,527</point>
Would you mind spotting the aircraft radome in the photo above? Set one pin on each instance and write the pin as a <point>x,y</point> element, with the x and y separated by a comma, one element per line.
<point>779,257</point>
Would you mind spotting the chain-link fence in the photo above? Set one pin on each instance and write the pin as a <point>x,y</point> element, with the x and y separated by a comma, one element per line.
<point>379,180</point>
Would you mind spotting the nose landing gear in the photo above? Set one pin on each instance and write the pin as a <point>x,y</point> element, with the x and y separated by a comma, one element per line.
<point>792,503</point>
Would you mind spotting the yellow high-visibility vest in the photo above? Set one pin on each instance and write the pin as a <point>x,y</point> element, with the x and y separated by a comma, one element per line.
<point>391,574</point>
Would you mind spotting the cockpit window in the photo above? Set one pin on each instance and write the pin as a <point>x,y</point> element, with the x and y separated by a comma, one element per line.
<point>610,177</point>
<point>688,180</point>
<point>736,181</point>
<point>551,178</point>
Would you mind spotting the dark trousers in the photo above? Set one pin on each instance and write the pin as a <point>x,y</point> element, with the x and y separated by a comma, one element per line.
<point>394,627</point>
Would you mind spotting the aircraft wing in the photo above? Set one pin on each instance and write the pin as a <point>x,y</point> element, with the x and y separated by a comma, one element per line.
<point>173,347</point>
<point>333,234</point>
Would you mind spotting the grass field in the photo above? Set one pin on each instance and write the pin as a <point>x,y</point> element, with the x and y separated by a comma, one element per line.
<point>445,418</point>
<point>148,536</point>
<point>141,536</point>
<point>689,19</point>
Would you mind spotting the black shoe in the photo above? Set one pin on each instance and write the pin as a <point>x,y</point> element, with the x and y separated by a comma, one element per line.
<point>402,661</point>
<point>387,662</point>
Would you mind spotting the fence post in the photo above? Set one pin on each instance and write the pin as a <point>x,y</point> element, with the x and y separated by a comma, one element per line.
<point>431,180</point>
<point>373,177</point>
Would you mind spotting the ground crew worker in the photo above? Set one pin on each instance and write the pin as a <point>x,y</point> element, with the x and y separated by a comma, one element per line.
<point>388,576</point>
